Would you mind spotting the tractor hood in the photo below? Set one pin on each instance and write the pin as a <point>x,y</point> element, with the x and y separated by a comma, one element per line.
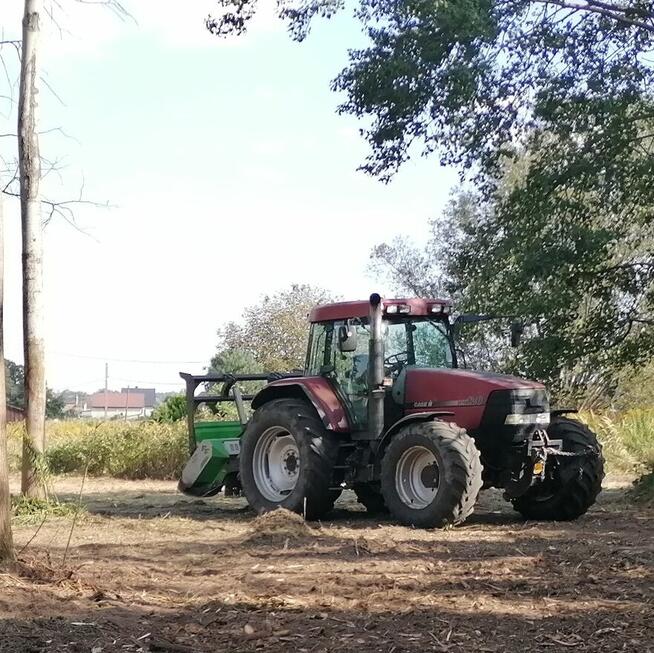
<point>472,397</point>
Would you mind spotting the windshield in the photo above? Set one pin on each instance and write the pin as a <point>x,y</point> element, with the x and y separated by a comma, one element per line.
<point>422,342</point>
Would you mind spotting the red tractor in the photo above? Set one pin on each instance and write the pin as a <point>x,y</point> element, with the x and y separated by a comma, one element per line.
<point>382,408</point>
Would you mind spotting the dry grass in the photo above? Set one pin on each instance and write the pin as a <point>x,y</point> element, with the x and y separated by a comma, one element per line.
<point>627,438</point>
<point>278,525</point>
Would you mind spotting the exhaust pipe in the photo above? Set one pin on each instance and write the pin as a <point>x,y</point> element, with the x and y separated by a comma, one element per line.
<point>376,391</point>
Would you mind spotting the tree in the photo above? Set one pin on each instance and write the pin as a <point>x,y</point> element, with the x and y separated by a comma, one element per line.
<point>466,78</point>
<point>273,333</point>
<point>30,176</point>
<point>172,409</point>
<point>31,202</point>
<point>15,384</point>
<point>6,539</point>
<point>583,282</point>
<point>558,93</point>
<point>54,404</point>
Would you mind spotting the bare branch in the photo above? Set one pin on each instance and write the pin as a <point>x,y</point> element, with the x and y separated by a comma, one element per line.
<point>614,12</point>
<point>114,5</point>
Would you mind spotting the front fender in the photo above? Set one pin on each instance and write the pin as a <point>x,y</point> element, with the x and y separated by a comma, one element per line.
<point>315,389</point>
<point>408,419</point>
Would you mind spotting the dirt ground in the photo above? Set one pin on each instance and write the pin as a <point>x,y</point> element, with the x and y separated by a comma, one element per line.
<point>150,570</point>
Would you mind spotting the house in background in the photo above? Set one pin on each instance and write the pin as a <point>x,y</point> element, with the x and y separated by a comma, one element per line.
<point>116,405</point>
<point>149,395</point>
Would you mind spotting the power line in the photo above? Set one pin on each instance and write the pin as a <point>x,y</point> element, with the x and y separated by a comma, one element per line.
<point>134,383</point>
<point>127,360</point>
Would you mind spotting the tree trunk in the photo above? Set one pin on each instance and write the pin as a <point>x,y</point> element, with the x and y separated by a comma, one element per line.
<point>30,174</point>
<point>6,540</point>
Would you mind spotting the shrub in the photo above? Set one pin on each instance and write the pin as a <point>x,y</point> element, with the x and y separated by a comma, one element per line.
<point>171,410</point>
<point>123,450</point>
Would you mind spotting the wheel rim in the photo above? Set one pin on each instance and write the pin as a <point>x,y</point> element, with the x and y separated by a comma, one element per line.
<point>417,477</point>
<point>276,464</point>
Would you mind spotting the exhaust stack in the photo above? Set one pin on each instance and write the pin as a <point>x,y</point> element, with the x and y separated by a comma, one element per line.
<point>376,370</point>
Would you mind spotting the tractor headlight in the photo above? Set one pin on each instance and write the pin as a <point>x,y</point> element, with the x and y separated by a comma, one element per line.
<point>442,309</point>
<point>394,309</point>
<point>515,419</point>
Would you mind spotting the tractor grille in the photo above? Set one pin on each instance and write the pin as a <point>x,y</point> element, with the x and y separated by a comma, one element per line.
<point>507,402</point>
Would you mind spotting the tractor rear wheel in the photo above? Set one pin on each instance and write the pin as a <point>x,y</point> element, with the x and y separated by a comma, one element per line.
<point>431,474</point>
<point>371,498</point>
<point>572,483</point>
<point>287,459</point>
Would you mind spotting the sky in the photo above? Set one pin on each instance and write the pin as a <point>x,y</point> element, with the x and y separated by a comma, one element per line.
<point>228,173</point>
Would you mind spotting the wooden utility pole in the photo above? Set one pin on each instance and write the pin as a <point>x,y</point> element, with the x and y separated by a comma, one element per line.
<point>32,231</point>
<point>6,540</point>
<point>106,390</point>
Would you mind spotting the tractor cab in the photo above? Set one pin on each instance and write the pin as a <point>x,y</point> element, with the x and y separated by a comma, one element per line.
<point>415,333</point>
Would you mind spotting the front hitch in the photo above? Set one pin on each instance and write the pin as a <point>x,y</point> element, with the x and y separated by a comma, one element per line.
<point>531,467</point>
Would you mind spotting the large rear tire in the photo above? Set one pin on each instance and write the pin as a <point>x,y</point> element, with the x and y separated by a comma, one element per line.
<point>431,474</point>
<point>287,459</point>
<point>572,483</point>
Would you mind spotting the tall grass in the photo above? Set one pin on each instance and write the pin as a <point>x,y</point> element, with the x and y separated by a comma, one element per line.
<point>131,450</point>
<point>136,450</point>
<point>627,438</point>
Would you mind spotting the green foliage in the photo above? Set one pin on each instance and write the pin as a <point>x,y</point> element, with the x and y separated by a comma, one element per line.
<point>15,380</point>
<point>550,106</point>
<point>54,405</point>
<point>273,334</point>
<point>465,78</point>
<point>635,387</point>
<point>172,409</point>
<point>32,510</point>
<point>643,491</point>
<point>583,283</point>
<point>627,438</point>
<point>131,450</point>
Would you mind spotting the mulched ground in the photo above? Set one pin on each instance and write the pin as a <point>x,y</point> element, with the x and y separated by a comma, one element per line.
<point>148,571</point>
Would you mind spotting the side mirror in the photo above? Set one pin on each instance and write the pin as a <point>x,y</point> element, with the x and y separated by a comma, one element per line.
<point>347,339</point>
<point>517,329</point>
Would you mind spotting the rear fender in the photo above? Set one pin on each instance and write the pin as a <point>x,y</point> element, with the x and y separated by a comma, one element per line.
<point>314,389</point>
<point>409,419</point>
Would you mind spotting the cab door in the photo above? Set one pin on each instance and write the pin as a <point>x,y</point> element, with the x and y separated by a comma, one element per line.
<point>347,369</point>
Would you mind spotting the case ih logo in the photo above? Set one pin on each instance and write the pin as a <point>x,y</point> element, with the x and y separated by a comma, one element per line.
<point>475,400</point>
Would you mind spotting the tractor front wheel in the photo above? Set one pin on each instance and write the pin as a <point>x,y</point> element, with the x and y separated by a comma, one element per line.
<point>431,474</point>
<point>287,459</point>
<point>571,483</point>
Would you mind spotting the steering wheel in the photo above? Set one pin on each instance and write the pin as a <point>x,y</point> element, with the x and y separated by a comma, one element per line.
<point>395,362</point>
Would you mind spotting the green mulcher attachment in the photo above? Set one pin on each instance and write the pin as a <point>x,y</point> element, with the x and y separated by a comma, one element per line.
<point>215,445</point>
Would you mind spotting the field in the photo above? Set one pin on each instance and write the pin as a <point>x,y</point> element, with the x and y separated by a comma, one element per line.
<point>150,570</point>
<point>142,568</point>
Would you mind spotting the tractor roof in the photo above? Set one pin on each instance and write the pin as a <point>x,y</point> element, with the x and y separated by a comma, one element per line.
<point>361,308</point>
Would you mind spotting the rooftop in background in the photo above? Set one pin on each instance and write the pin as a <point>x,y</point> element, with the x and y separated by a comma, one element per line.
<point>361,308</point>
<point>150,395</point>
<point>117,400</point>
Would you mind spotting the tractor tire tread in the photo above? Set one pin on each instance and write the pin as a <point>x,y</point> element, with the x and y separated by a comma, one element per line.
<point>317,464</point>
<point>461,473</point>
<point>579,492</point>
